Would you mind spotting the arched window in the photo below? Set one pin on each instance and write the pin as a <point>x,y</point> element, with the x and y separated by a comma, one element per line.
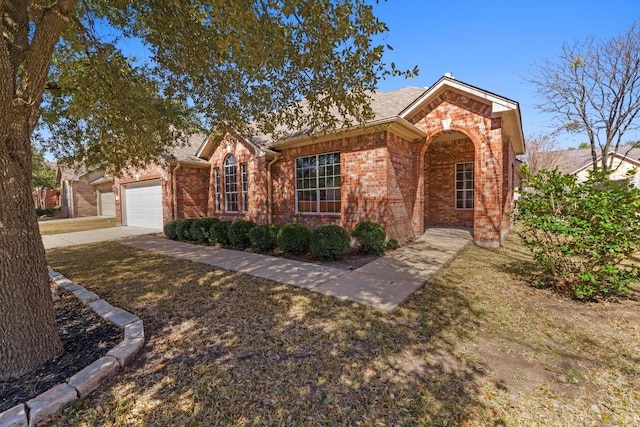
<point>230,184</point>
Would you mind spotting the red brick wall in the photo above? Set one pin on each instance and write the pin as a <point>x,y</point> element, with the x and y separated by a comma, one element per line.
<point>364,172</point>
<point>471,118</point>
<point>257,177</point>
<point>192,184</point>
<point>402,187</point>
<point>85,202</point>
<point>439,179</point>
<point>511,179</point>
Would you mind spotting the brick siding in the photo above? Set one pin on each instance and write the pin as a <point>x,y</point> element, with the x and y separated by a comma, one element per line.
<point>404,185</point>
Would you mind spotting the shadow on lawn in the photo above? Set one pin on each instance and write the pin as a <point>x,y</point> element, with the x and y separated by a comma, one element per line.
<point>229,349</point>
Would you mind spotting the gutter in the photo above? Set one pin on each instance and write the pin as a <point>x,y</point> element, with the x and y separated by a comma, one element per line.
<point>276,157</point>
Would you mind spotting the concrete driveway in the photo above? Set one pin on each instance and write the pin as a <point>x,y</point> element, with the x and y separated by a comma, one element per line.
<point>93,236</point>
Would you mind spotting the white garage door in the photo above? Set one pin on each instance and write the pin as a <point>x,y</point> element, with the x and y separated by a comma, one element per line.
<point>143,205</point>
<point>107,203</point>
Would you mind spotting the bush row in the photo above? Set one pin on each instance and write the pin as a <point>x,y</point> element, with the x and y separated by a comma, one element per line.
<point>326,241</point>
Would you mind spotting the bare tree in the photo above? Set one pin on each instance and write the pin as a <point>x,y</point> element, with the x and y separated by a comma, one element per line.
<point>593,88</point>
<point>541,153</point>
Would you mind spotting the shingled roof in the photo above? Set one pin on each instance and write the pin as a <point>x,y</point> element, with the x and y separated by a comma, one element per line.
<point>570,161</point>
<point>385,105</point>
<point>187,152</point>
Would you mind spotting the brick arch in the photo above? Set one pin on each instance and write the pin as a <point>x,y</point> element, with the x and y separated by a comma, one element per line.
<point>439,179</point>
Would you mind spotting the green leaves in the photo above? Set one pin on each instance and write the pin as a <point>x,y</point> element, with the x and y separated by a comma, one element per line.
<point>243,65</point>
<point>42,175</point>
<point>582,233</point>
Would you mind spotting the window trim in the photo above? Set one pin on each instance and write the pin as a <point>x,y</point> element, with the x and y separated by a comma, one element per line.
<point>318,189</point>
<point>464,188</point>
<point>230,184</point>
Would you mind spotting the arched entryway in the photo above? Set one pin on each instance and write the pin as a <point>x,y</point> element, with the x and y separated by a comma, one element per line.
<point>449,181</point>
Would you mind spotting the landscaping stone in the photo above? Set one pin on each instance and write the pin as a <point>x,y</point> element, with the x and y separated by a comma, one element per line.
<point>134,330</point>
<point>126,351</point>
<point>115,315</point>
<point>14,417</point>
<point>88,379</point>
<point>67,284</point>
<point>50,402</point>
<point>54,274</point>
<point>85,296</point>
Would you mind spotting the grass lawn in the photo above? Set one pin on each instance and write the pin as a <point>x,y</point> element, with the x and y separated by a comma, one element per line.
<point>475,347</point>
<point>74,224</point>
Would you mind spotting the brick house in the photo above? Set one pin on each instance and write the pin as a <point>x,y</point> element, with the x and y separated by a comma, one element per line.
<point>441,156</point>
<point>175,187</point>
<point>85,192</point>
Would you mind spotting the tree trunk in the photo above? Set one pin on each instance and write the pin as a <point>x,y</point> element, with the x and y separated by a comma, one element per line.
<point>28,332</point>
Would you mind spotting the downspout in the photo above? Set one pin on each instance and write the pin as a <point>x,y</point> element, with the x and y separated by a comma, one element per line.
<point>270,187</point>
<point>174,190</point>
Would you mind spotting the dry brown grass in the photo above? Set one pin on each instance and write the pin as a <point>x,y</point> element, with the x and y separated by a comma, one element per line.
<point>476,346</point>
<point>74,224</point>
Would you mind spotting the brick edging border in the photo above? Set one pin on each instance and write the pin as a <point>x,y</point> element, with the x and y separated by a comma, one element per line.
<point>88,379</point>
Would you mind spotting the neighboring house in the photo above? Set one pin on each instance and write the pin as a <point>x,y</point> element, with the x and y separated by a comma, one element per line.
<point>45,198</point>
<point>579,163</point>
<point>443,156</point>
<point>85,192</point>
<point>175,187</point>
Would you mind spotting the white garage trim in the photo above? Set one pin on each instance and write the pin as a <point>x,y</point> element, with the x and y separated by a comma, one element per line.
<point>142,204</point>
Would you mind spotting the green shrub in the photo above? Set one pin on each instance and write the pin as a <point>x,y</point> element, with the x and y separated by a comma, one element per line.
<point>183,229</point>
<point>218,233</point>
<point>330,241</point>
<point>201,229</point>
<point>294,238</point>
<point>370,236</point>
<point>580,233</point>
<point>170,230</point>
<point>264,238</point>
<point>238,233</point>
<point>392,244</point>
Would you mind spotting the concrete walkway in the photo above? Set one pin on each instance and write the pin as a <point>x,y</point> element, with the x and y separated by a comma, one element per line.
<point>384,283</point>
<point>93,236</point>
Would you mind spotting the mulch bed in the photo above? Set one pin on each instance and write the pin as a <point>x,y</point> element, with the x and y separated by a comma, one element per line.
<point>85,337</point>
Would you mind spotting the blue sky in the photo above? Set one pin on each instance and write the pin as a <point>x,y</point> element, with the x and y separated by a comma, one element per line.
<point>494,45</point>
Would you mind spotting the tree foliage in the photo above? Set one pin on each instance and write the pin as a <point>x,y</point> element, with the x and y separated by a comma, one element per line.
<point>582,233</point>
<point>244,65</point>
<point>42,177</point>
<point>212,64</point>
<point>593,89</point>
<point>542,153</point>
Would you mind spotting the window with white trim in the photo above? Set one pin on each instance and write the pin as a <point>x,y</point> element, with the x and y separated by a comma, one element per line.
<point>464,185</point>
<point>216,187</point>
<point>230,184</point>
<point>244,176</point>
<point>318,184</point>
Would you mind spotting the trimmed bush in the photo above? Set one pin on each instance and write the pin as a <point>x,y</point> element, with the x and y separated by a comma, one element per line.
<point>238,233</point>
<point>218,233</point>
<point>294,238</point>
<point>330,241</point>
<point>201,229</point>
<point>264,238</point>
<point>170,230</point>
<point>183,229</point>
<point>371,237</point>
<point>392,244</point>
